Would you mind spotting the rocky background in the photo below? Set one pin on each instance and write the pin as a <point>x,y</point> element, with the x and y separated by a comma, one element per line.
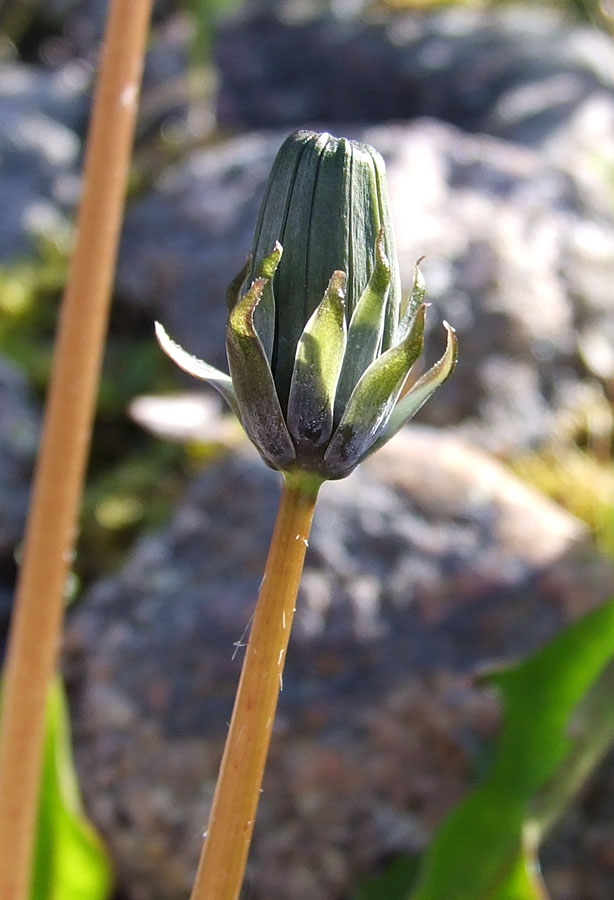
<point>434,559</point>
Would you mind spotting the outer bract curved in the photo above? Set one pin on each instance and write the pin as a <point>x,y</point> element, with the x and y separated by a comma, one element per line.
<point>319,345</point>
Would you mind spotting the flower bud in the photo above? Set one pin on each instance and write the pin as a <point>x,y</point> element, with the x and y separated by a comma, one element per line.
<point>320,345</point>
<point>326,204</point>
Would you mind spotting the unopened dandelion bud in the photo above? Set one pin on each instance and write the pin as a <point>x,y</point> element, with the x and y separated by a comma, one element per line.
<point>319,343</point>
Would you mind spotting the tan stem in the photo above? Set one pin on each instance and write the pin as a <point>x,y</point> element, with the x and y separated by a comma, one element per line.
<point>226,845</point>
<point>35,629</point>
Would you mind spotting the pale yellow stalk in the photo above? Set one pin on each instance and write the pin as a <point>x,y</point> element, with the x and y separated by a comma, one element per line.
<point>227,840</point>
<point>35,629</point>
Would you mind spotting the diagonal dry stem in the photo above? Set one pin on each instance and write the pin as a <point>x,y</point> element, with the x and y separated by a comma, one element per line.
<point>222,863</point>
<point>35,629</point>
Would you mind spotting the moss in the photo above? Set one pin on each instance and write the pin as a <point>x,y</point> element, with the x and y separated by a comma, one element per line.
<point>580,482</point>
<point>123,500</point>
<point>29,295</point>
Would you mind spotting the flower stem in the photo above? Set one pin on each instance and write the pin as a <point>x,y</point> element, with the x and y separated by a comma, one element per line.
<point>35,629</point>
<point>224,854</point>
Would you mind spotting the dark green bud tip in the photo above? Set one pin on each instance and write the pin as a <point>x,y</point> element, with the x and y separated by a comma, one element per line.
<point>319,345</point>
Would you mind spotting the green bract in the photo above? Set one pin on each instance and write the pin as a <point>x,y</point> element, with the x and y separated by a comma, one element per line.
<point>320,345</point>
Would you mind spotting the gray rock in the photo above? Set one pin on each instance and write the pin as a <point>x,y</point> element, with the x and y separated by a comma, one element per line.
<point>43,120</point>
<point>527,75</point>
<point>19,431</point>
<point>429,562</point>
<point>517,74</point>
<point>41,113</point>
<point>185,240</point>
<point>71,28</point>
<point>515,259</point>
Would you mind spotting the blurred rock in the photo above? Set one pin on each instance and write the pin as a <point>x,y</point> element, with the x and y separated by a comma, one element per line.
<point>514,259</point>
<point>428,563</point>
<point>19,431</point>
<point>63,29</point>
<point>164,104</point>
<point>44,113</point>
<point>41,113</point>
<point>516,73</point>
<point>186,239</point>
<point>584,833</point>
<point>525,74</point>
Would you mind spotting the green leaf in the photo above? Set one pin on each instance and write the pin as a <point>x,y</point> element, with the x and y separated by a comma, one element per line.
<point>196,367</point>
<point>485,849</point>
<point>252,380</point>
<point>373,398</point>
<point>70,861</point>
<point>523,879</point>
<point>592,731</point>
<point>319,356</point>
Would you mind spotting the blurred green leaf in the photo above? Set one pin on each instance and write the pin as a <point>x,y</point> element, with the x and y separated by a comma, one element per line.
<point>558,720</point>
<point>485,849</point>
<point>70,860</point>
<point>392,883</point>
<point>522,881</point>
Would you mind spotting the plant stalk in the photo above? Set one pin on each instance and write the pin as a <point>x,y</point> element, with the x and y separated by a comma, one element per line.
<point>35,630</point>
<point>231,821</point>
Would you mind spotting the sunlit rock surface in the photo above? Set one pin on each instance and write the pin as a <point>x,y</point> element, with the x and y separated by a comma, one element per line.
<point>515,259</point>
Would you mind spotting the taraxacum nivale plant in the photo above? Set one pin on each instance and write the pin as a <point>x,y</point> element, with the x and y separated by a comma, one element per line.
<point>319,346</point>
